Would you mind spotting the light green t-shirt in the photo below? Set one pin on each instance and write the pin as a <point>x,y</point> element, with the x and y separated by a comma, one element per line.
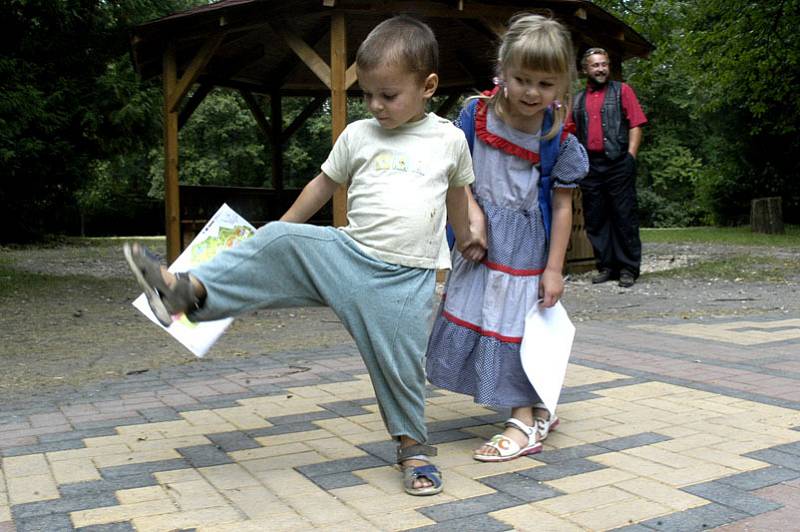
<point>397,185</point>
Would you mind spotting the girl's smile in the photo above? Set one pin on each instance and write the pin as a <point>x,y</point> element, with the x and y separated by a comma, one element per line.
<point>529,93</point>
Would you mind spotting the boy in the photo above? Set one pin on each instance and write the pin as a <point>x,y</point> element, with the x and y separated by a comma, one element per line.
<point>402,168</point>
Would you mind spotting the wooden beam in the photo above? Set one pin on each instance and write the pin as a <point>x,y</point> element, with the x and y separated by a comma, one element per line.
<point>200,60</point>
<point>350,76</point>
<point>276,114</point>
<point>171,201</point>
<point>338,102</point>
<point>258,115</point>
<point>300,119</point>
<point>196,99</point>
<point>308,55</point>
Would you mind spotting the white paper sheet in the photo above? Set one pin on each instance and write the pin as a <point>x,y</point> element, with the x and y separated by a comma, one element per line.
<point>224,230</point>
<point>545,350</point>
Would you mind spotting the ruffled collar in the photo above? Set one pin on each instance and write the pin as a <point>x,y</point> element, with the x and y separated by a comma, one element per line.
<point>496,141</point>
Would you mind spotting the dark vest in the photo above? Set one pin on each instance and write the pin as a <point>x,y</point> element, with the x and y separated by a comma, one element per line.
<point>615,125</point>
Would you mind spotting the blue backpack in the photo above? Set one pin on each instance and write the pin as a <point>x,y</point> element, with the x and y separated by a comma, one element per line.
<point>548,154</point>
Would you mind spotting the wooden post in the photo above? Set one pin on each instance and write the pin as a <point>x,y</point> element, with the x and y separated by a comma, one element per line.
<point>338,102</point>
<point>766,215</point>
<point>171,202</point>
<point>276,119</point>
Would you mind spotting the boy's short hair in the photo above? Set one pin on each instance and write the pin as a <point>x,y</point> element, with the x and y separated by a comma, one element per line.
<point>400,40</point>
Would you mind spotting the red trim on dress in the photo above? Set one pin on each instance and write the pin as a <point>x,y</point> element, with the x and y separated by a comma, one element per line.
<point>482,332</point>
<point>509,270</point>
<point>499,142</point>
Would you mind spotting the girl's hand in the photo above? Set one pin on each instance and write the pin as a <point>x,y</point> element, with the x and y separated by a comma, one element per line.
<point>474,252</point>
<point>551,287</point>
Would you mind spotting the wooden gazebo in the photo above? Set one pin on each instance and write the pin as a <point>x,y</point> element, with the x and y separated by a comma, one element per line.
<point>307,48</point>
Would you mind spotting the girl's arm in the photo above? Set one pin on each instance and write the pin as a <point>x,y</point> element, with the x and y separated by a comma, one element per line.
<point>313,196</point>
<point>551,285</point>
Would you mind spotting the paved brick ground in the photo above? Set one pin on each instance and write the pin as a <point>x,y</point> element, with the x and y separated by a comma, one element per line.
<point>666,425</point>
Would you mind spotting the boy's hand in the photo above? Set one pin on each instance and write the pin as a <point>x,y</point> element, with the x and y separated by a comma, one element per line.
<point>473,252</point>
<point>551,287</point>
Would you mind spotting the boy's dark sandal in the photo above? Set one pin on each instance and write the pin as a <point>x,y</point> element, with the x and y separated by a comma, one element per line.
<point>427,471</point>
<point>165,301</point>
<point>603,276</point>
<point>626,279</point>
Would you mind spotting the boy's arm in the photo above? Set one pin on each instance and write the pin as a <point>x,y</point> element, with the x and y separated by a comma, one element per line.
<point>467,221</point>
<point>313,196</point>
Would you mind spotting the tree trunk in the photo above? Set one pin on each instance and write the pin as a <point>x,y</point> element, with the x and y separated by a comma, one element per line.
<point>766,215</point>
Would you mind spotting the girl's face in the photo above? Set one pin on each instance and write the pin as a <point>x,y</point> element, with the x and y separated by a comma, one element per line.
<point>394,95</point>
<point>529,93</point>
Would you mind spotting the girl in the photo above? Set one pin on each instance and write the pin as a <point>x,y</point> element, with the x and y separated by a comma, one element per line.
<point>525,169</point>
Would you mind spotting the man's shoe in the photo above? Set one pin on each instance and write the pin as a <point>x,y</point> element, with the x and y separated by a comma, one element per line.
<point>603,277</point>
<point>626,279</point>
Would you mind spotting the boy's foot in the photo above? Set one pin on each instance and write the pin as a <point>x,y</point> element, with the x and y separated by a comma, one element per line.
<point>167,294</point>
<point>420,476</point>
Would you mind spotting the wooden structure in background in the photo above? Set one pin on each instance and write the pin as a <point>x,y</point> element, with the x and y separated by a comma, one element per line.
<point>766,215</point>
<point>279,48</point>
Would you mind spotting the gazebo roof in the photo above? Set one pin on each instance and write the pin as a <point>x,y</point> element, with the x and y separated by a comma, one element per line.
<point>254,51</point>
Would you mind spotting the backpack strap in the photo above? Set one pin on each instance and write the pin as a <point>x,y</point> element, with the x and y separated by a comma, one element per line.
<point>548,153</point>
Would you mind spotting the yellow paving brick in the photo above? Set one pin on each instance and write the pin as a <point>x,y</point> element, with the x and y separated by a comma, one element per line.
<point>633,464</point>
<point>393,503</point>
<point>203,417</point>
<point>284,522</point>
<point>689,442</point>
<point>590,436</point>
<point>340,426</point>
<point>228,476</point>
<point>740,447</point>
<point>286,482</point>
<point>321,509</point>
<point>365,437</point>
<point>206,517</point>
<point>150,429</point>
<point>561,440</point>
<point>147,493</point>
<point>272,450</point>
<point>31,488</point>
<point>283,462</point>
<point>125,512</point>
<point>177,475</point>
<point>352,493</point>
<point>734,461</point>
<point>528,519</point>
<point>461,487</point>
<point>194,495</point>
<point>153,444</point>
<point>661,493</point>
<point>5,513</point>
<point>311,392</point>
<point>640,391</point>
<point>619,514</point>
<point>242,418</point>
<point>583,500</point>
<point>579,425</point>
<point>591,480</point>
<point>130,457</point>
<point>668,458</point>
<point>693,475</point>
<point>678,431</point>
<point>291,437</point>
<point>194,430</point>
<point>581,375</point>
<point>365,418</point>
<point>672,407</point>
<point>26,465</point>
<point>77,470</point>
<point>354,524</point>
<point>335,448</point>
<point>256,502</point>
<point>457,453</point>
<point>446,397</point>
<point>480,470</point>
<point>441,413</point>
<point>388,479</point>
<point>638,427</point>
<point>288,408</point>
<point>399,520</point>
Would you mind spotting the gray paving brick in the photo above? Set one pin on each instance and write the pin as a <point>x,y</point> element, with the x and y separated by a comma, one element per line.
<point>111,527</point>
<point>115,472</point>
<point>570,453</point>
<point>458,423</point>
<point>522,487</point>
<point>695,519</point>
<point>474,523</point>
<point>633,528</point>
<point>340,466</point>
<point>233,441</point>
<point>154,415</point>
<point>337,480</point>
<point>789,448</point>
<point>774,457</point>
<point>100,487</point>
<point>345,408</point>
<point>110,423</point>
<point>728,495</point>
<point>575,397</point>
<point>629,442</point>
<point>364,401</point>
<point>63,505</point>
<point>760,478</point>
<point>44,447</point>
<point>286,428</point>
<point>77,434</point>
<point>468,507</point>
<point>445,436</point>
<point>561,469</point>
<point>204,455</point>
<point>45,523</point>
<point>385,450</point>
<point>299,418</point>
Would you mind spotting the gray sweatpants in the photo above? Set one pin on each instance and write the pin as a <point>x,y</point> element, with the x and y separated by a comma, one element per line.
<point>385,307</point>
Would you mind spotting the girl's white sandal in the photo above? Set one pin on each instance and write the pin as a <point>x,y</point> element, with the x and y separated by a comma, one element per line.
<point>507,449</point>
<point>544,426</point>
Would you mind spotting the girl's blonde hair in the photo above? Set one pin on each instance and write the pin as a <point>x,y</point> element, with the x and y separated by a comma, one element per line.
<point>534,42</point>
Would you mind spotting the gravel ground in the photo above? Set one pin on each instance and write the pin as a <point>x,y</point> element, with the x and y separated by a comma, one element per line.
<point>79,327</point>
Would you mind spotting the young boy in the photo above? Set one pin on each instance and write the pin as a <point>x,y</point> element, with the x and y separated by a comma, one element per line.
<point>406,172</point>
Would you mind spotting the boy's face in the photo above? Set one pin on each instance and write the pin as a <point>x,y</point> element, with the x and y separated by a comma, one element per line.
<point>394,95</point>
